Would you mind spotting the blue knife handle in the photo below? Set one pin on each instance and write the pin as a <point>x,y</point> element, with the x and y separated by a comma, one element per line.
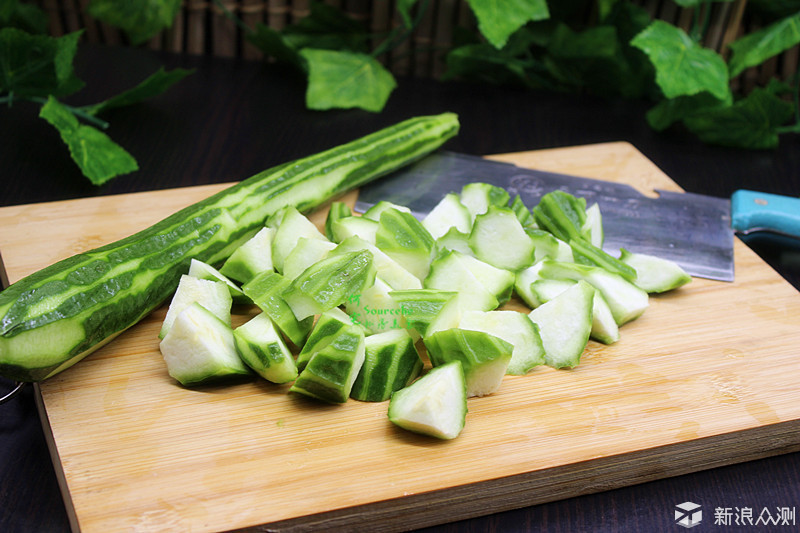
<point>756,211</point>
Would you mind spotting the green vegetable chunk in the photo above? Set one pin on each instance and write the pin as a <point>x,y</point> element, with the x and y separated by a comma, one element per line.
<point>454,240</point>
<point>515,328</point>
<point>524,215</point>
<point>266,290</point>
<point>448,214</point>
<point>261,348</point>
<point>592,229</point>
<point>251,258</point>
<point>55,317</point>
<point>545,245</point>
<point>374,212</point>
<point>449,272</point>
<point>306,253</point>
<point>390,271</point>
<point>293,227</point>
<point>499,239</point>
<point>213,295</point>
<point>403,238</point>
<point>328,326</point>
<point>391,363</point>
<point>626,301</point>
<point>375,310</point>
<point>337,211</point>
<point>654,274</point>
<point>428,310</point>
<point>200,348</point>
<point>604,327</point>
<point>331,372</point>
<point>201,270</point>
<point>362,227</point>
<point>562,214</point>
<point>477,197</point>
<point>565,323</point>
<point>330,282</point>
<point>434,405</point>
<point>485,358</point>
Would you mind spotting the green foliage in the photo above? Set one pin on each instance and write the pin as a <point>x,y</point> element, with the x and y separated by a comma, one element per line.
<point>39,68</point>
<point>498,19</point>
<point>98,157</point>
<point>752,50</point>
<point>619,51</point>
<point>26,17</point>
<point>139,19</point>
<point>346,79</point>
<point>331,49</point>
<point>37,65</point>
<point>751,122</point>
<point>153,85</point>
<point>683,67</point>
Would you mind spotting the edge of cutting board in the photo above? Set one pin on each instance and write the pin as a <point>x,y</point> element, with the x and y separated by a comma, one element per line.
<point>611,161</point>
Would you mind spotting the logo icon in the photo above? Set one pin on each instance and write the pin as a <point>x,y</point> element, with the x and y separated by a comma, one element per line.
<point>688,514</point>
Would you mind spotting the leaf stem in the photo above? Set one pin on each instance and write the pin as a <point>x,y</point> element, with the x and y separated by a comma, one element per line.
<point>77,111</point>
<point>701,21</point>
<point>401,33</point>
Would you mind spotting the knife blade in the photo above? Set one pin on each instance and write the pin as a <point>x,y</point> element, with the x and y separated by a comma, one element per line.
<point>691,229</point>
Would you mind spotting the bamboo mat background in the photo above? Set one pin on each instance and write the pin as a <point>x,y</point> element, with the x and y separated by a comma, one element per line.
<point>202,28</point>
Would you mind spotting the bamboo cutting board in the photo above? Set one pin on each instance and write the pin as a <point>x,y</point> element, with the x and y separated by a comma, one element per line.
<point>706,377</point>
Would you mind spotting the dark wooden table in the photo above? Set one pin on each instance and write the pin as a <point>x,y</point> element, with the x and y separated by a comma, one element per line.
<point>231,119</point>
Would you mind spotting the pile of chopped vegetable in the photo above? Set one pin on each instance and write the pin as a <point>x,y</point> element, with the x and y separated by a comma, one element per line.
<point>388,307</point>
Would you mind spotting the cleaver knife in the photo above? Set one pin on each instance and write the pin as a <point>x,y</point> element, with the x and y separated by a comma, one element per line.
<point>694,230</point>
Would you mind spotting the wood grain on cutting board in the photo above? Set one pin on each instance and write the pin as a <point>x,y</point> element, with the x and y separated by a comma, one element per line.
<point>705,377</point>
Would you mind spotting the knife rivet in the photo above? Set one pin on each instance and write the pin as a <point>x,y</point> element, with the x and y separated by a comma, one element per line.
<point>761,201</point>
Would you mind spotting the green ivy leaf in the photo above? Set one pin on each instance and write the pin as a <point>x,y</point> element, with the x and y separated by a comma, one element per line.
<point>153,85</point>
<point>139,19</point>
<point>498,19</point>
<point>752,122</point>
<point>483,62</point>
<point>670,111</point>
<point>37,65</point>
<point>346,80</point>
<point>98,157</point>
<point>682,66</point>
<point>593,58</point>
<point>26,17</point>
<point>757,47</point>
<point>510,64</point>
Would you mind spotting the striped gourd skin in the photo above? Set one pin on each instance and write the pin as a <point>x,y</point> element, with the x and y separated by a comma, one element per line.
<point>472,348</point>
<point>330,282</point>
<point>421,306</point>
<point>388,367</point>
<point>330,373</point>
<point>325,330</point>
<point>266,291</point>
<point>53,318</point>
